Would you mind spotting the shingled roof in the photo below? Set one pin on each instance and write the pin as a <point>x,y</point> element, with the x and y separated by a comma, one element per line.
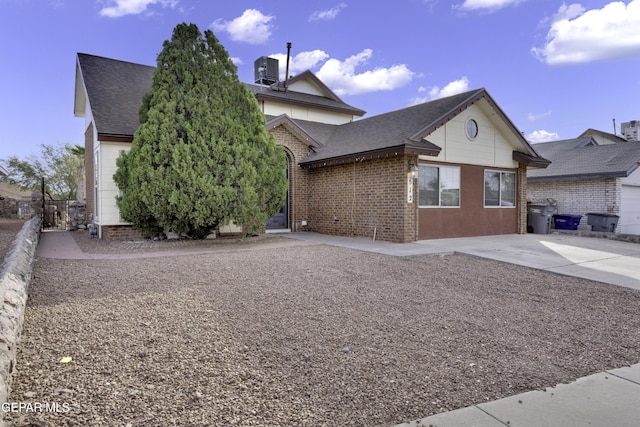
<point>115,90</point>
<point>403,131</point>
<point>583,158</point>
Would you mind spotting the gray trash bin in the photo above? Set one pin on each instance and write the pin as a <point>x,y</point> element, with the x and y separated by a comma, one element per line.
<point>539,218</point>
<point>602,221</point>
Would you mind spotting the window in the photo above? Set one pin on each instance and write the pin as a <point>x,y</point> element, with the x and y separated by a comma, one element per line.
<point>439,186</point>
<point>499,189</point>
<point>472,129</point>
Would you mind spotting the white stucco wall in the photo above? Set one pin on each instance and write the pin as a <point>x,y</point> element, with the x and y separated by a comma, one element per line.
<point>108,152</point>
<point>302,113</point>
<point>489,148</point>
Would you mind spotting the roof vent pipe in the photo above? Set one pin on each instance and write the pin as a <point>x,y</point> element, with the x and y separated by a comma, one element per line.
<point>286,77</point>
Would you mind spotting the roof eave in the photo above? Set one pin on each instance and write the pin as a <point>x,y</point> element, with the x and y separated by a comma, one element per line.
<point>293,127</point>
<point>577,177</point>
<point>80,93</point>
<point>110,137</point>
<point>530,161</point>
<point>401,150</point>
<point>350,110</point>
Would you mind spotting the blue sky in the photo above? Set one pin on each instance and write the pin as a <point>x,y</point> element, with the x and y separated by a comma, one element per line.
<point>556,68</point>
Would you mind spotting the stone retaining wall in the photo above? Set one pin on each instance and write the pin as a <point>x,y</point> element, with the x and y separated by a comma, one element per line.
<point>15,276</point>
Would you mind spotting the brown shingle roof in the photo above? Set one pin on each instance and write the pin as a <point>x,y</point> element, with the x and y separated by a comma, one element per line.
<point>401,131</point>
<point>115,90</point>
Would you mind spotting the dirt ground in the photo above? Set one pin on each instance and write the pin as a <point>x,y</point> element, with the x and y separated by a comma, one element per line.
<point>304,335</point>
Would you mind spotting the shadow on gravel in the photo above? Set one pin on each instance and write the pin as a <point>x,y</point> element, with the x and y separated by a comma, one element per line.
<point>313,335</point>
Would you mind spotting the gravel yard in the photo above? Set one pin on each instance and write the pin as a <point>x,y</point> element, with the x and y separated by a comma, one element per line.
<point>304,335</point>
<point>9,229</point>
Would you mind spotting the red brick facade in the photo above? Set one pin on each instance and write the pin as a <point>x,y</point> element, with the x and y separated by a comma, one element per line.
<point>363,199</point>
<point>298,179</point>
<point>355,199</point>
<point>120,232</point>
<point>367,198</point>
<point>472,218</point>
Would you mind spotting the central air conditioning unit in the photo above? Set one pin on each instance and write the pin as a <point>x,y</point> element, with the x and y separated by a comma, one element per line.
<point>631,130</point>
<point>266,70</point>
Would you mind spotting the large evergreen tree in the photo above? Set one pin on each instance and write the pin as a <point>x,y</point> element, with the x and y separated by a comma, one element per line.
<point>201,156</point>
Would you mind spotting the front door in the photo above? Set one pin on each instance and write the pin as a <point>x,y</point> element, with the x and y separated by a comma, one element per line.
<point>279,220</point>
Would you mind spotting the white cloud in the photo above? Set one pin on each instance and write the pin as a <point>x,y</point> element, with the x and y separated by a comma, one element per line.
<point>342,78</point>
<point>538,136</point>
<point>132,7</point>
<point>487,5</point>
<point>533,117</point>
<point>320,15</point>
<point>434,92</point>
<point>301,62</point>
<point>579,36</point>
<point>251,27</point>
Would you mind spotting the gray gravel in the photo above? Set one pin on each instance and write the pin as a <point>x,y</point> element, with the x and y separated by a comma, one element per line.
<point>9,229</point>
<point>304,335</point>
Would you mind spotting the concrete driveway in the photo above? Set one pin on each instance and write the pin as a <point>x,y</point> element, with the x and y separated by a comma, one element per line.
<point>603,260</point>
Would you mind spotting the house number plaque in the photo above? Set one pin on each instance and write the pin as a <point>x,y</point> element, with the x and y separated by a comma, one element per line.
<point>409,190</point>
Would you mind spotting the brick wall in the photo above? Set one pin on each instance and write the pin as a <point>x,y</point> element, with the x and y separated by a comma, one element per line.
<point>522,191</point>
<point>359,198</point>
<point>121,232</point>
<point>580,197</point>
<point>298,179</point>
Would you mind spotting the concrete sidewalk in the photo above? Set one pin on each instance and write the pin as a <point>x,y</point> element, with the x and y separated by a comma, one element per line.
<point>610,398</point>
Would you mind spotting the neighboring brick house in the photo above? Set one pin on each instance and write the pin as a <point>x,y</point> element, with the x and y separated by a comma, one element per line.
<point>452,167</point>
<point>591,177</point>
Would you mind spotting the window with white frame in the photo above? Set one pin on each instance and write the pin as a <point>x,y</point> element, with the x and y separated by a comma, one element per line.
<point>439,186</point>
<point>499,189</point>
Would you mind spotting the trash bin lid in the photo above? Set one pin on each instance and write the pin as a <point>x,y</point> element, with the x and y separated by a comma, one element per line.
<point>603,214</point>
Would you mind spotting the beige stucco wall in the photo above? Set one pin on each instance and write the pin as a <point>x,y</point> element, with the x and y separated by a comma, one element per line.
<point>302,113</point>
<point>490,148</point>
<point>107,153</point>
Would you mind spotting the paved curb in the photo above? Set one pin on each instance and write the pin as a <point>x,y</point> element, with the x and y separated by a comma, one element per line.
<point>14,283</point>
<point>608,398</point>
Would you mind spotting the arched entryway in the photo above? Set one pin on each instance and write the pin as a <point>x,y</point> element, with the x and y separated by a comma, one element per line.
<point>280,221</point>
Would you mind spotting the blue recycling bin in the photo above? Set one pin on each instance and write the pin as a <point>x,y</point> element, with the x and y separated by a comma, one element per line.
<point>566,222</point>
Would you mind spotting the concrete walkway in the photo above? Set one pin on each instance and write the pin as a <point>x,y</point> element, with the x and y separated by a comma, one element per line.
<point>610,398</point>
